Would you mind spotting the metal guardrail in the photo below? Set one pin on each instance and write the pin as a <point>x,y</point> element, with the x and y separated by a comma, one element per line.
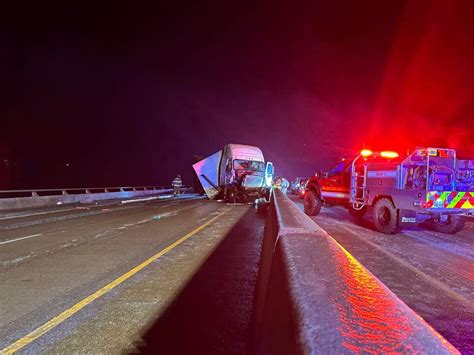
<point>85,190</point>
<point>23,199</point>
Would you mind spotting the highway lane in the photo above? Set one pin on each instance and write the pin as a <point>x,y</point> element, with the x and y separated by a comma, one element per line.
<point>78,251</point>
<point>49,233</point>
<point>433,273</point>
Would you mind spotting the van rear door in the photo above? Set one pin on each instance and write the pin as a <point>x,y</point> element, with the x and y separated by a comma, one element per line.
<point>207,171</point>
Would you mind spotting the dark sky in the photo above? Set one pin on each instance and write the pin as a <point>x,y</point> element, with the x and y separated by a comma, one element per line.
<point>127,95</point>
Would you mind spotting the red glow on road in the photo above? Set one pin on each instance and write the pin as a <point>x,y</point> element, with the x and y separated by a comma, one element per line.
<point>373,319</point>
<point>426,96</point>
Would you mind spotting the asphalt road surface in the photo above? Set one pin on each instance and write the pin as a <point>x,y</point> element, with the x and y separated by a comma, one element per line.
<point>432,273</point>
<point>158,276</point>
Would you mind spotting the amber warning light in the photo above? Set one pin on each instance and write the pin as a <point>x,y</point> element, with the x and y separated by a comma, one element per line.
<point>366,152</point>
<point>389,154</point>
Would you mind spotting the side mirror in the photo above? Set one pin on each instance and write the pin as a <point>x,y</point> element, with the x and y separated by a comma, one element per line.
<point>269,168</point>
<point>269,171</point>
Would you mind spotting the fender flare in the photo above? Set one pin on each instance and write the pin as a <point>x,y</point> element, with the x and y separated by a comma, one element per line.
<point>313,185</point>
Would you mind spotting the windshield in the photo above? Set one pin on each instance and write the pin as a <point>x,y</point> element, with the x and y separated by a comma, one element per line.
<point>338,169</point>
<point>249,165</point>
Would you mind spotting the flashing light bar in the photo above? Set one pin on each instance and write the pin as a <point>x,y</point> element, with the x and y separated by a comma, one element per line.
<point>389,154</point>
<point>366,152</point>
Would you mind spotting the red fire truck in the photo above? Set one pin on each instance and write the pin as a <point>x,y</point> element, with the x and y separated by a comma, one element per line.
<point>430,186</point>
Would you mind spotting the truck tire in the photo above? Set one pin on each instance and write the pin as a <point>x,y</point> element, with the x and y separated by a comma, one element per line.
<point>312,203</point>
<point>385,216</point>
<point>357,213</point>
<point>231,195</point>
<point>452,225</point>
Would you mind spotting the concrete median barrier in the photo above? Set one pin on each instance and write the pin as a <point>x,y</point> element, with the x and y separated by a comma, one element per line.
<point>314,297</point>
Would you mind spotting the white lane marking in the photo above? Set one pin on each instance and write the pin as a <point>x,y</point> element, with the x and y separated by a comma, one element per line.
<point>138,200</point>
<point>17,239</point>
<point>162,197</point>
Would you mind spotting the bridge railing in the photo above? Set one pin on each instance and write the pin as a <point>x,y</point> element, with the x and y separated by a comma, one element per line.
<point>31,198</point>
<point>77,190</point>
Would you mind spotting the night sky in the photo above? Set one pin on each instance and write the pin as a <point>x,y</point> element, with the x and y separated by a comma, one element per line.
<point>127,95</point>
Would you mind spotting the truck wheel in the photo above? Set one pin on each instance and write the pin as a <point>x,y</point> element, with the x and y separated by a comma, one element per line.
<point>450,224</point>
<point>385,216</point>
<point>231,196</point>
<point>357,213</point>
<point>312,203</point>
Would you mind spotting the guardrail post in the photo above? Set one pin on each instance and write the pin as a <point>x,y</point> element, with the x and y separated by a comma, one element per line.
<point>87,191</point>
<point>34,194</point>
<point>64,192</point>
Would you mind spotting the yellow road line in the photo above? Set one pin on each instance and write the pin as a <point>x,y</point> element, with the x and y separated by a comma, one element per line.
<point>40,331</point>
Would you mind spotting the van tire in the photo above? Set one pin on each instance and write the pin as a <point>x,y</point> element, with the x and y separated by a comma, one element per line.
<point>385,216</point>
<point>454,224</point>
<point>312,203</point>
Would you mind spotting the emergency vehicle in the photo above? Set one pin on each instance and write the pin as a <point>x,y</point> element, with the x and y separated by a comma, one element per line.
<point>430,186</point>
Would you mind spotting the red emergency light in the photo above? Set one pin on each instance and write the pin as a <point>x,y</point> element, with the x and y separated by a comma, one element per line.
<point>389,154</point>
<point>366,152</point>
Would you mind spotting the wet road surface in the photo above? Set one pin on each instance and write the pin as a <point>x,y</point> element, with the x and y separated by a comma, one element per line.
<point>169,276</point>
<point>432,273</point>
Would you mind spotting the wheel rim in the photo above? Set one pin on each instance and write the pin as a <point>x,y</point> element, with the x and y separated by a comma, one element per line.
<point>444,222</point>
<point>384,216</point>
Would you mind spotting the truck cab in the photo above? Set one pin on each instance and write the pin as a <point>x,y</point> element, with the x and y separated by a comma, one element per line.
<point>331,187</point>
<point>236,173</point>
<point>335,183</point>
